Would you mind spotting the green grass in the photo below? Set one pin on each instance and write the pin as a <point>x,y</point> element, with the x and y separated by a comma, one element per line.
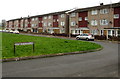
<point>43,45</point>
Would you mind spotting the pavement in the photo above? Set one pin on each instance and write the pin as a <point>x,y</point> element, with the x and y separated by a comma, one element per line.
<point>102,63</point>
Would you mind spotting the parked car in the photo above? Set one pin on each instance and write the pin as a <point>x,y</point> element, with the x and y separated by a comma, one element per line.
<point>11,31</point>
<point>16,32</point>
<point>6,30</point>
<point>85,37</point>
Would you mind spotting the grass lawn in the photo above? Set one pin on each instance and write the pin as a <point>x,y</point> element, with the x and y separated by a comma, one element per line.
<point>43,45</point>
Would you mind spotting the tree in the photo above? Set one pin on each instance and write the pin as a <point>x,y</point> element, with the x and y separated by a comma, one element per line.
<point>3,23</point>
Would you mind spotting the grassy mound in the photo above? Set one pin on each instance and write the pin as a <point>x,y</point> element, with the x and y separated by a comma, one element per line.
<point>43,45</point>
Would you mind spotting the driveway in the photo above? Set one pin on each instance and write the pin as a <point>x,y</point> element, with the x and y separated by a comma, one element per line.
<point>102,63</point>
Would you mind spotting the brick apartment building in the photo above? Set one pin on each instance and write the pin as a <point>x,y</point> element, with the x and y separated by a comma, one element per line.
<point>98,20</point>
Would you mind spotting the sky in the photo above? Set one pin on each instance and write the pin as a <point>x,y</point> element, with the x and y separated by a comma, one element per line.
<point>12,9</point>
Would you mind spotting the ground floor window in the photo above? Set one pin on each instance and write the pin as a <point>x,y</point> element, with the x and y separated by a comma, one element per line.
<point>94,32</point>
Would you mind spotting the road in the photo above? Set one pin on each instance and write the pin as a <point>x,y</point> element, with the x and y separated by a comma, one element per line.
<point>102,63</point>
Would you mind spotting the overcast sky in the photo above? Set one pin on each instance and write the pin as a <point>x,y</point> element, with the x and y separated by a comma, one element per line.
<point>11,9</point>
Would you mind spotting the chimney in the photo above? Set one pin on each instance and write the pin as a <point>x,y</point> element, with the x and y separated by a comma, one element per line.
<point>101,4</point>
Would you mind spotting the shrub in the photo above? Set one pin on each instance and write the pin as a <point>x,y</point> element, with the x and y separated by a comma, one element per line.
<point>100,37</point>
<point>114,38</point>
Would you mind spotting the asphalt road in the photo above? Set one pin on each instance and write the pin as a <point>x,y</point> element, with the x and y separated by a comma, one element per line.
<point>102,63</point>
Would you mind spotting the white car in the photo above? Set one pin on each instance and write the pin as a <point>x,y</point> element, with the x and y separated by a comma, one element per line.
<point>16,32</point>
<point>11,31</point>
<point>85,36</point>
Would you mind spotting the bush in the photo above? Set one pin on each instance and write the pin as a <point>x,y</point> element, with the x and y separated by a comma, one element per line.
<point>114,38</point>
<point>100,37</point>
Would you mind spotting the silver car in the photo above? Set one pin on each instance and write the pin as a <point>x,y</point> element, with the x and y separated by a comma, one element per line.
<point>85,37</point>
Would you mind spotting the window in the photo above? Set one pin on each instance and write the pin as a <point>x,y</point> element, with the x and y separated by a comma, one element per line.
<point>32,19</point>
<point>94,12</point>
<point>49,24</point>
<point>16,25</point>
<point>80,18</point>
<point>54,20</point>
<point>86,18</point>
<point>45,17</point>
<point>57,20</point>
<point>25,25</point>
<point>109,32</point>
<point>32,25</point>
<point>104,22</point>
<point>94,32</point>
<point>62,23</point>
<point>116,16</point>
<point>36,18</point>
<point>26,20</point>
<point>103,11</point>
<point>73,14</point>
<point>44,24</point>
<point>62,15</point>
<point>73,23</point>
<point>94,22</point>
<point>49,17</point>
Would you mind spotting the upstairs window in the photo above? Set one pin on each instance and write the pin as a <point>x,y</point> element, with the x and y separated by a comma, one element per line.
<point>94,12</point>
<point>49,24</point>
<point>62,15</point>
<point>36,18</point>
<point>80,18</point>
<point>73,23</point>
<point>44,24</point>
<point>73,14</point>
<point>103,11</point>
<point>86,18</point>
<point>62,23</point>
<point>94,22</point>
<point>116,16</point>
<point>45,17</point>
<point>32,19</point>
<point>104,22</point>
<point>49,17</point>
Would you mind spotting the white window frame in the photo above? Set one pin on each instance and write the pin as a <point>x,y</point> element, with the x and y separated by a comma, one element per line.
<point>62,15</point>
<point>45,17</point>
<point>49,17</point>
<point>80,18</point>
<point>49,24</point>
<point>62,23</point>
<point>33,25</point>
<point>94,22</point>
<point>73,23</point>
<point>104,11</point>
<point>73,14</point>
<point>104,22</point>
<point>116,16</point>
<point>36,18</point>
<point>86,18</point>
<point>33,19</point>
<point>45,24</point>
<point>94,12</point>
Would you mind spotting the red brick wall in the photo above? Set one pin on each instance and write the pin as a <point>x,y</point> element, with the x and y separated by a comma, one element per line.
<point>29,20</point>
<point>55,22</point>
<point>117,21</point>
<point>82,23</point>
<point>40,21</point>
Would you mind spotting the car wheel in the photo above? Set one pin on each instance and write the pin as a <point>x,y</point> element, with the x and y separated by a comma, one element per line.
<point>77,38</point>
<point>87,39</point>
